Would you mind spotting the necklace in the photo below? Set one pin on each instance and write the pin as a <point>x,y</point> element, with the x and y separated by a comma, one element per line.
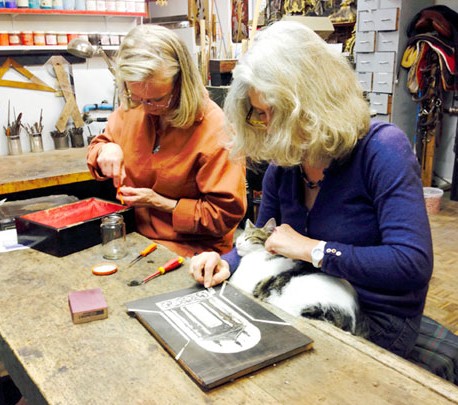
<point>309,184</point>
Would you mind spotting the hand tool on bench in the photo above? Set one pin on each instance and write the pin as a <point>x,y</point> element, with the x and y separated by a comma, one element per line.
<point>145,252</point>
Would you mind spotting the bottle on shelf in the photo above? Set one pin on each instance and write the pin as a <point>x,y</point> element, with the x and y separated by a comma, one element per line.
<point>46,4</point>
<point>57,4</point>
<point>80,4</point>
<point>10,4</point>
<point>39,38</point>
<point>91,5</point>
<point>4,38</point>
<point>69,4</point>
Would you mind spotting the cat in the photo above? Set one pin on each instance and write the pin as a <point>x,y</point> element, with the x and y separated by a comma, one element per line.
<point>294,286</point>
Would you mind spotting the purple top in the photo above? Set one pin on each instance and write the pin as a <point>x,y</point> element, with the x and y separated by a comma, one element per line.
<point>371,212</point>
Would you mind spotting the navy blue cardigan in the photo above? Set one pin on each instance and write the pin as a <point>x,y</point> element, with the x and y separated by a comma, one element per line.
<point>370,210</point>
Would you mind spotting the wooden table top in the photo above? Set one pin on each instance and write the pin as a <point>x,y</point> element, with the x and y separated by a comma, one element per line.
<point>117,361</point>
<point>37,170</point>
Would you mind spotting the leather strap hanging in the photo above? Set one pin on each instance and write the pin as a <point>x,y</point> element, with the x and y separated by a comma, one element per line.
<point>431,57</point>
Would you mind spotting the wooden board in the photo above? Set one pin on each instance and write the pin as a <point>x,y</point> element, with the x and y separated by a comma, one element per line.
<point>219,334</point>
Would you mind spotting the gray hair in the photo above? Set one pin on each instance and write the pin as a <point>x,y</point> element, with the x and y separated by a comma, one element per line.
<point>318,108</point>
<point>151,49</point>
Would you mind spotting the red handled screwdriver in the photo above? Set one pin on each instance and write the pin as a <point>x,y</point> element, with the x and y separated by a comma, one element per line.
<point>170,265</point>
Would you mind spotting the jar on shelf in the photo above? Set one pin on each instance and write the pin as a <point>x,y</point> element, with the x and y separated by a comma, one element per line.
<point>57,4</point>
<point>110,5</point>
<point>69,4</point>
<point>139,6</point>
<point>27,38</point>
<point>114,38</point>
<point>39,38</point>
<point>62,38</point>
<point>80,4</point>
<point>22,3</point>
<point>71,36</point>
<point>34,3</point>
<point>121,6</point>
<point>104,38</point>
<point>4,38</point>
<point>51,38</point>
<point>10,4</point>
<point>14,38</point>
<point>46,4</point>
<point>91,5</point>
<point>83,35</point>
<point>130,6</point>
<point>100,5</point>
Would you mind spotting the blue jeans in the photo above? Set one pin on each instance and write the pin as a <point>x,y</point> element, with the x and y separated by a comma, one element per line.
<point>395,334</point>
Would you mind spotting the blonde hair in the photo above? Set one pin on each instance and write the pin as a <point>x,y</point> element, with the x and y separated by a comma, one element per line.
<point>318,108</point>
<point>149,50</point>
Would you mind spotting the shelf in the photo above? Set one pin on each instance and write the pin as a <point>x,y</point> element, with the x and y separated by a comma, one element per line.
<point>46,48</point>
<point>39,11</point>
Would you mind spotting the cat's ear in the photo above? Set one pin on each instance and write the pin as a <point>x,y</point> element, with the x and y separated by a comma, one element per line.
<point>270,225</point>
<point>249,224</point>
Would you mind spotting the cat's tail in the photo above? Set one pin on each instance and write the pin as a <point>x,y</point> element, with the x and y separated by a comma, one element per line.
<point>361,325</point>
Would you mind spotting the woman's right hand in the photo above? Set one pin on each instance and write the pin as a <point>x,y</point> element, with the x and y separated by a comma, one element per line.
<point>111,163</point>
<point>209,269</point>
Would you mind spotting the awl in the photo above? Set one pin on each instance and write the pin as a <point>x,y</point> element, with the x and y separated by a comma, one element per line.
<point>143,253</point>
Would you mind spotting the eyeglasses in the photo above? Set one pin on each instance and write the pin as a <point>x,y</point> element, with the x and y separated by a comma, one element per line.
<point>254,120</point>
<point>151,103</point>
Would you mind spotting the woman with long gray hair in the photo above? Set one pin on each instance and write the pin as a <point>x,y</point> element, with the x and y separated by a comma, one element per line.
<point>345,191</point>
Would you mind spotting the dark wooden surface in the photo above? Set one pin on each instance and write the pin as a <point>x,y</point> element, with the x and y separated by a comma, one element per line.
<point>117,361</point>
<point>37,170</point>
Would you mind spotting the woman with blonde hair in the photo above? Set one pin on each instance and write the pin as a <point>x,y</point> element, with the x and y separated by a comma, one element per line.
<point>346,191</point>
<point>165,148</point>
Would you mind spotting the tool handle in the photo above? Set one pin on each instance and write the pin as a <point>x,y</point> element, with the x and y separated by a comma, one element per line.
<point>171,265</point>
<point>148,249</point>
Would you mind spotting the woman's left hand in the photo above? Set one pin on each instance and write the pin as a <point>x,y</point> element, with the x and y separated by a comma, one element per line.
<point>285,241</point>
<point>146,197</point>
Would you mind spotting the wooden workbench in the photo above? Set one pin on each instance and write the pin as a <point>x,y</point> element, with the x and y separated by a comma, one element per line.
<point>117,361</point>
<point>37,170</point>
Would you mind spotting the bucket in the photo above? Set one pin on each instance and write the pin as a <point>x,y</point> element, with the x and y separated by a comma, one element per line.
<point>36,143</point>
<point>60,139</point>
<point>14,145</point>
<point>433,197</point>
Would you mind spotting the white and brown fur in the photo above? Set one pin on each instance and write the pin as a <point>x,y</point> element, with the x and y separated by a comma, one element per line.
<point>294,286</point>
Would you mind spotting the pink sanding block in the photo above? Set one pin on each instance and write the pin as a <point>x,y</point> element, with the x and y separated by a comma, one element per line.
<point>87,305</point>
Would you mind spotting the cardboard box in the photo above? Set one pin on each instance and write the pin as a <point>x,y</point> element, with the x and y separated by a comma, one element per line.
<point>87,305</point>
<point>321,25</point>
<point>69,228</point>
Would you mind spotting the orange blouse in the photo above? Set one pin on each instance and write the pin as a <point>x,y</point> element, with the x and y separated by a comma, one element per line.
<point>190,165</point>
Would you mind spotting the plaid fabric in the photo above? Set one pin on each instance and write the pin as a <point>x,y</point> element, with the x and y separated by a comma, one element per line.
<point>436,350</point>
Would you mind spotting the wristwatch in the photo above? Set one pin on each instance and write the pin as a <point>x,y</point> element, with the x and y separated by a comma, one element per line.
<point>318,254</point>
